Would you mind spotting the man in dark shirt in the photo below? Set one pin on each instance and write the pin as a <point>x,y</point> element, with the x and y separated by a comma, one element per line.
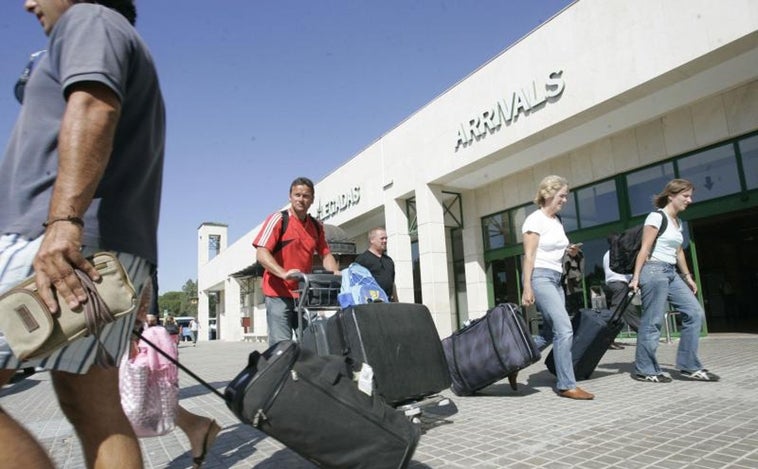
<point>376,260</point>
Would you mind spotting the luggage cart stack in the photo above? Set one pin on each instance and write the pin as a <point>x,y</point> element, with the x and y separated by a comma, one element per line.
<point>317,302</point>
<point>398,342</point>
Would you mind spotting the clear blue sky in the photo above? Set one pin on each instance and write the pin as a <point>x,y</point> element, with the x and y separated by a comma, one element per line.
<point>259,92</point>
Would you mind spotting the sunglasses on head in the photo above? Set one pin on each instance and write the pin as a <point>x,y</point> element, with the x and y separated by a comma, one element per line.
<point>18,89</point>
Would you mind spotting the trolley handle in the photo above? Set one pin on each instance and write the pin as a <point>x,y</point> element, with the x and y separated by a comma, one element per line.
<point>317,290</point>
<point>302,295</point>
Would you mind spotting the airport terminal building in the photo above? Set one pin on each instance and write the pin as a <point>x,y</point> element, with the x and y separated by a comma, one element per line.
<point>616,96</point>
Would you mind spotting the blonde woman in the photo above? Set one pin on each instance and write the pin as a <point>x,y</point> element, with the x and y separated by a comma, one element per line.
<point>545,244</point>
<point>655,273</point>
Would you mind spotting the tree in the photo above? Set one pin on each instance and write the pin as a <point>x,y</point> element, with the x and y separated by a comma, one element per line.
<point>189,302</point>
<point>183,303</point>
<point>171,302</point>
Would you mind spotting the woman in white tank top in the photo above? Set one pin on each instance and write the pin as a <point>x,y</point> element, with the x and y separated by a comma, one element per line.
<point>655,273</point>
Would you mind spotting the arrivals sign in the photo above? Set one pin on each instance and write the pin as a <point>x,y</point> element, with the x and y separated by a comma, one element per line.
<point>334,205</point>
<point>525,100</point>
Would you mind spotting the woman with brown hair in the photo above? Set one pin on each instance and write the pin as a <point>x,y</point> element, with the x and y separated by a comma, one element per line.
<point>655,273</point>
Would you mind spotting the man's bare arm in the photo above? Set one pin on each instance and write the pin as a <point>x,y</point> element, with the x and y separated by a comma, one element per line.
<point>331,264</point>
<point>85,143</point>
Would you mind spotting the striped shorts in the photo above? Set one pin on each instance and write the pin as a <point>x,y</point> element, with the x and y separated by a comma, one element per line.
<point>16,256</point>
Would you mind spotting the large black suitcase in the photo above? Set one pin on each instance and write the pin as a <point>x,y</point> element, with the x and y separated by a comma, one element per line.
<point>594,332</point>
<point>489,349</point>
<point>311,404</point>
<point>400,343</point>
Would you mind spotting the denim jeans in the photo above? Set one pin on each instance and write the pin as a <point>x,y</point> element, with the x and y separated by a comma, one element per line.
<point>556,325</point>
<point>660,282</point>
<point>281,318</point>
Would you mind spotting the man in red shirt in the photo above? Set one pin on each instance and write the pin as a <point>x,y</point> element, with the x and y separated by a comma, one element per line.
<point>285,252</point>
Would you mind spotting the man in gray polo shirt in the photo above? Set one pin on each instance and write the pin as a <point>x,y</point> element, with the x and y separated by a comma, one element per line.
<point>82,172</point>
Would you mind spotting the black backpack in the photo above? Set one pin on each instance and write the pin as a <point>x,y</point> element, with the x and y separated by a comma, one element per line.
<point>626,245</point>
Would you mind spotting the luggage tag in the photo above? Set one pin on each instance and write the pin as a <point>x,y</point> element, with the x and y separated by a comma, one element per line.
<point>366,379</point>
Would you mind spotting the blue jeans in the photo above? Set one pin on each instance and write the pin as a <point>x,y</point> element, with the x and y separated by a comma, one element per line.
<point>659,283</point>
<point>556,325</point>
<point>281,318</point>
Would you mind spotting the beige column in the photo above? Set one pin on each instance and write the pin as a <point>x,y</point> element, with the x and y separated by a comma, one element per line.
<point>203,310</point>
<point>473,253</point>
<point>229,324</point>
<point>436,285</point>
<point>208,235</point>
<point>399,247</point>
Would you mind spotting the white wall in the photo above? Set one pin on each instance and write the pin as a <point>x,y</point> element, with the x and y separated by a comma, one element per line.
<point>644,80</point>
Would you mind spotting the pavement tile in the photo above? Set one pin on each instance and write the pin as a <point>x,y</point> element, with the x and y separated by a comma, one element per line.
<point>629,425</point>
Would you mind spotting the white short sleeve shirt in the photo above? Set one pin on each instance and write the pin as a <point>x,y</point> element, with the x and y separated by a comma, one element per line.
<point>552,243</point>
<point>669,241</point>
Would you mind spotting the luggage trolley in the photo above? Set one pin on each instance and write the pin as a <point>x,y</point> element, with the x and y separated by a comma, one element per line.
<point>318,301</point>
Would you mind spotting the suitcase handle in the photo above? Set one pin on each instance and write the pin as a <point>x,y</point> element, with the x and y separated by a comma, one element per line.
<point>619,311</point>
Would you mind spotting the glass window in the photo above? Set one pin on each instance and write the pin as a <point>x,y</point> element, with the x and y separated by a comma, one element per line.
<point>749,151</point>
<point>643,185</point>
<point>713,172</point>
<point>503,275</point>
<point>456,241</point>
<point>598,204</point>
<point>568,214</point>
<point>459,271</point>
<point>496,229</point>
<point>416,260</point>
<point>518,216</point>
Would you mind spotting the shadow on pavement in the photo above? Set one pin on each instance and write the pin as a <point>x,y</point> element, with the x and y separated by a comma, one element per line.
<point>17,385</point>
<point>199,389</point>
<point>226,439</point>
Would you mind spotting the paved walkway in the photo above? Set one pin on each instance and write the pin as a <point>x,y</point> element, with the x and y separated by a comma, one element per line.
<point>630,424</point>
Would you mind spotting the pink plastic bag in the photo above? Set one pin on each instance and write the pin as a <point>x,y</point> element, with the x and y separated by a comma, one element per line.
<point>149,385</point>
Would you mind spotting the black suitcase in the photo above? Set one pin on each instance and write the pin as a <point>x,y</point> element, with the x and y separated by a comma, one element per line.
<point>401,344</point>
<point>314,336</point>
<point>311,404</point>
<point>594,332</point>
<point>489,349</point>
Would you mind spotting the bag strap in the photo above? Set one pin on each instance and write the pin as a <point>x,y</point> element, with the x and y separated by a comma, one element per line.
<point>494,340</point>
<point>662,228</point>
<point>96,315</point>
<point>184,368</point>
<point>285,223</point>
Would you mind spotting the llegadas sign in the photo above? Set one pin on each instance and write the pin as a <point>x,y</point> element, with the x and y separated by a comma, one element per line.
<point>343,201</point>
<point>525,100</point>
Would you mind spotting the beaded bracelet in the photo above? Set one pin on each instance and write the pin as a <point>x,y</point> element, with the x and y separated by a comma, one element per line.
<point>69,218</point>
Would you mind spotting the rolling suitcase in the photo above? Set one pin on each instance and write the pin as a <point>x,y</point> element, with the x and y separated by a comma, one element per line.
<point>311,404</point>
<point>594,331</point>
<point>400,343</point>
<point>489,349</point>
